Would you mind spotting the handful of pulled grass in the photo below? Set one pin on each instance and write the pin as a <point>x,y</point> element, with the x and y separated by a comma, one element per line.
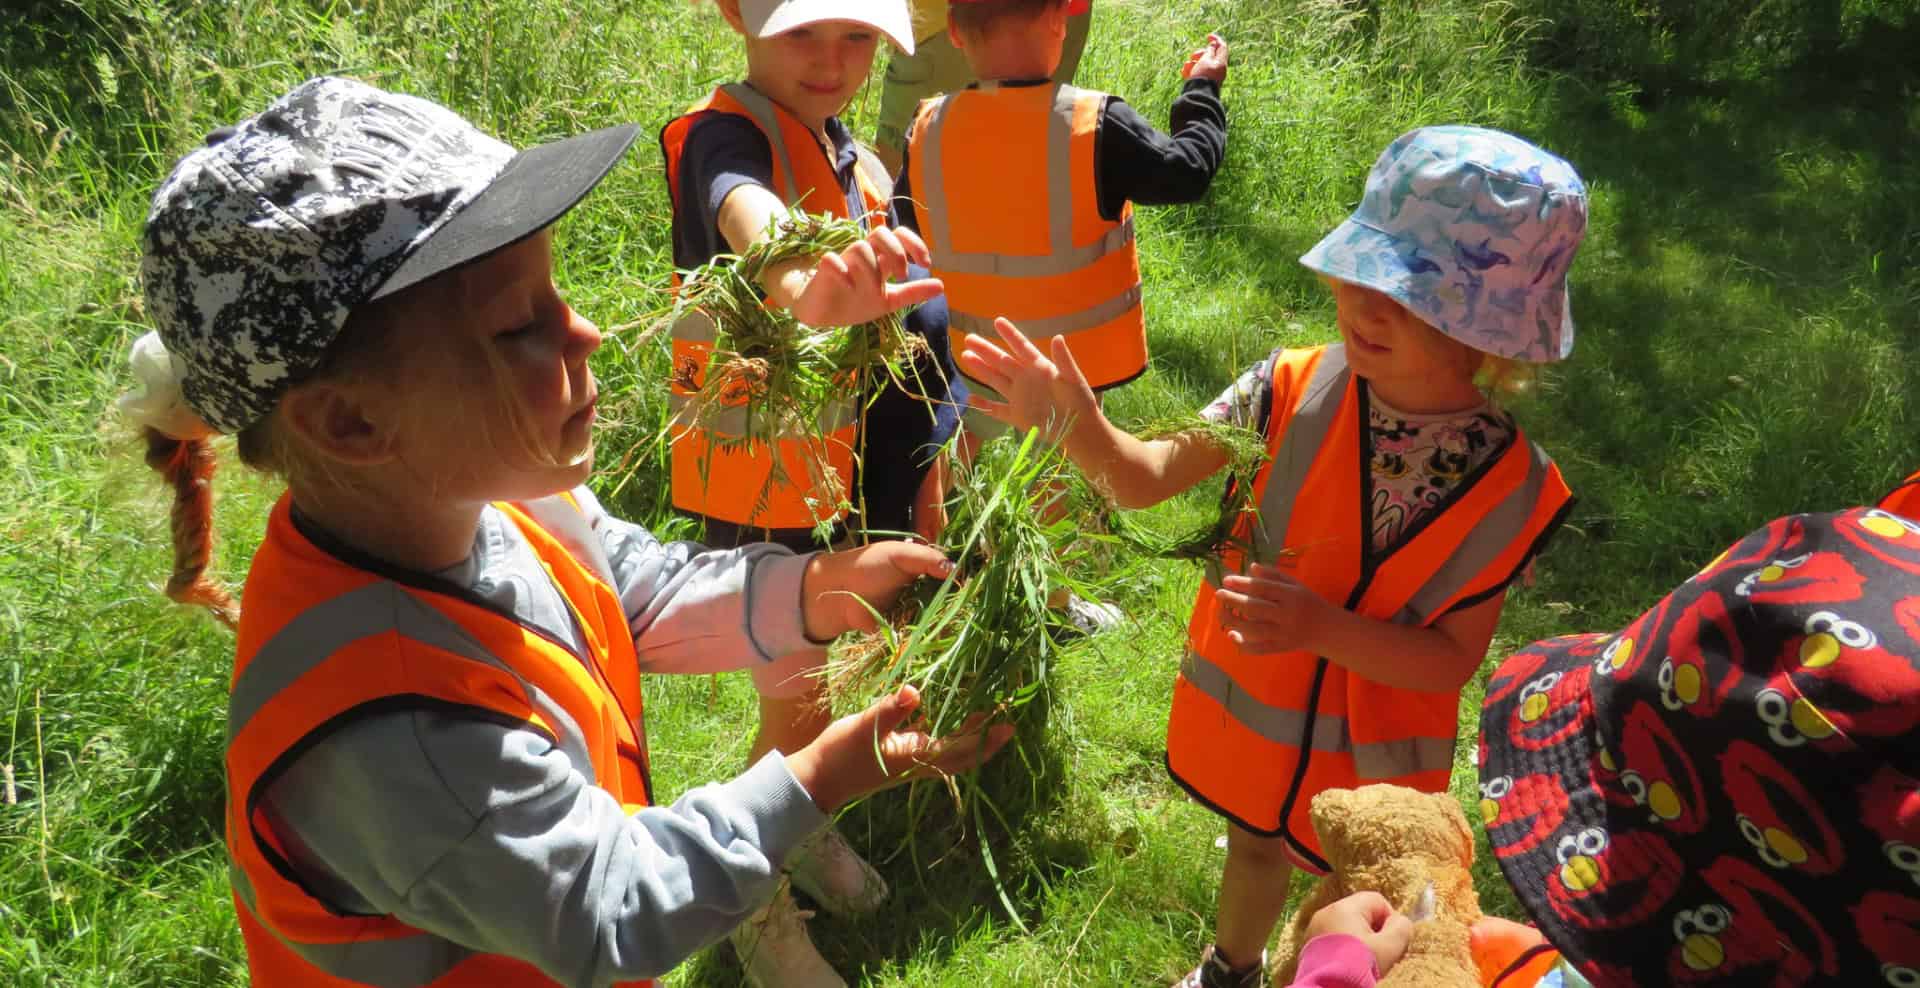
<point>980,642</point>
<point>773,377</point>
<point>977,641</point>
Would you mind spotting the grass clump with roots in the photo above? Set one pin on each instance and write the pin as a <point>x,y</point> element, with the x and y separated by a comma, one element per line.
<point>791,381</point>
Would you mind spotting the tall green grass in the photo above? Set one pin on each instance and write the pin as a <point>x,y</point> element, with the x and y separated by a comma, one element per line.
<point>1749,316</point>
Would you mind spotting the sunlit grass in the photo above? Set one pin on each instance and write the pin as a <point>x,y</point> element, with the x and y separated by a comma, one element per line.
<point>1749,315</point>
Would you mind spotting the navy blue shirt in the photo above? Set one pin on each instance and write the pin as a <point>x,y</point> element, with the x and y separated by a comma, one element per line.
<point>723,152</point>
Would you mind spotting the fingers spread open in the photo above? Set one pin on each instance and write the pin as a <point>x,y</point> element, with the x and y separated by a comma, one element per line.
<point>913,292</point>
<point>1017,342</point>
<point>889,252</point>
<point>916,248</point>
<point>1069,368</point>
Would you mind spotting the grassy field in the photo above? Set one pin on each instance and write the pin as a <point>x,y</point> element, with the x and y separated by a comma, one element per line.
<point>1749,309</point>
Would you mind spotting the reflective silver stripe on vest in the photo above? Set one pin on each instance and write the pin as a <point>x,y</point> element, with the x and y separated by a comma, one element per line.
<point>1488,539</point>
<point>1062,261</point>
<point>1063,255</point>
<point>939,232</point>
<point>731,421</point>
<point>695,326</point>
<point>376,609</point>
<point>409,961</point>
<point>1039,329</point>
<point>303,645</point>
<point>1377,760</point>
<point>1313,416</point>
<point>769,120</point>
<point>563,521</point>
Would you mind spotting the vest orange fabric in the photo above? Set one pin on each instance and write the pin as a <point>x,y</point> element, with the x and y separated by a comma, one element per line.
<point>715,473</point>
<point>1509,955</point>
<point>1005,180</point>
<point>322,642</point>
<point>1255,736</point>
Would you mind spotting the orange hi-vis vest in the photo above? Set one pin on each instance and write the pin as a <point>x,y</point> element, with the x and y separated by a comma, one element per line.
<point>1026,240</point>
<point>1255,736</point>
<point>322,642</point>
<point>715,474</point>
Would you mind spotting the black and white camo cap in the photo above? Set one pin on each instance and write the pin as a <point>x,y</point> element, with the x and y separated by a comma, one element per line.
<point>260,244</point>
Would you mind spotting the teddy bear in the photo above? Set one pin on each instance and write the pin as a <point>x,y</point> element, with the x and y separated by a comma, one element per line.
<point>1415,849</point>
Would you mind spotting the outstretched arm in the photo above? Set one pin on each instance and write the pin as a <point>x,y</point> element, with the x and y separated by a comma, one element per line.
<point>843,288</point>
<point>1048,392</point>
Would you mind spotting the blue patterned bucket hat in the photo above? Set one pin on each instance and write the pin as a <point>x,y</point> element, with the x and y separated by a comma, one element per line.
<point>1473,231</point>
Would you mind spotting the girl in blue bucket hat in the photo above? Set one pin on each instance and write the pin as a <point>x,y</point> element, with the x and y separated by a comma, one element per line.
<point>1399,503</point>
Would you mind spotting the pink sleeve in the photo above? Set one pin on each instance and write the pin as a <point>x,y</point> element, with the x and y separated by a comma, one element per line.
<point>1335,960</point>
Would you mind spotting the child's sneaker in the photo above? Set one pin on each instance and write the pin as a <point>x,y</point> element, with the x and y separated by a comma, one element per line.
<point>776,952</point>
<point>829,871</point>
<point>1213,972</point>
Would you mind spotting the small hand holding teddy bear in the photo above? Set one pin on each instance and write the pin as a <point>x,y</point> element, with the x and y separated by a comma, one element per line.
<point>1414,852</point>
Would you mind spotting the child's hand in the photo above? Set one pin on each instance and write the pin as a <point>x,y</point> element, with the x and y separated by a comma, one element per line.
<point>835,584</point>
<point>1497,943</point>
<point>1047,393</point>
<point>1268,610</point>
<point>851,286</point>
<point>867,751</point>
<point>1209,62</point>
<point>930,502</point>
<point>1371,918</point>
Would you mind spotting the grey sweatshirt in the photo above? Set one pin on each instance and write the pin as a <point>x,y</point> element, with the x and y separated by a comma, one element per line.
<point>487,835</point>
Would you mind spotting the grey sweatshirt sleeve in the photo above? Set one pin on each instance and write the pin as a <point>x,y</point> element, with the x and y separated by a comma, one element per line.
<point>487,835</point>
<point>699,610</point>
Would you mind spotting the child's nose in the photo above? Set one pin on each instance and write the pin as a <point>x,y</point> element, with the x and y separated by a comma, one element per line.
<point>583,337</point>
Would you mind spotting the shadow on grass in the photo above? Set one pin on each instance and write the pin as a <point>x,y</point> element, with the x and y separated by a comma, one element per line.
<point>932,855</point>
<point>1747,304</point>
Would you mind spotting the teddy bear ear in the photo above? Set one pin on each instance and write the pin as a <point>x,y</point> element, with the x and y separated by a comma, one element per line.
<point>1450,809</point>
<point>1331,810</point>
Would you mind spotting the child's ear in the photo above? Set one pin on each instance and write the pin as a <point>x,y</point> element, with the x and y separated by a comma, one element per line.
<point>1056,21</point>
<point>954,37</point>
<point>334,420</point>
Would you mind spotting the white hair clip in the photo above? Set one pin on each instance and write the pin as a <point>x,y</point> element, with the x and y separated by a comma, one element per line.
<point>158,403</point>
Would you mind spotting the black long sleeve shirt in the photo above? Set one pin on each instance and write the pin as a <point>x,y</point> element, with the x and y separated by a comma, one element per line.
<point>1133,161</point>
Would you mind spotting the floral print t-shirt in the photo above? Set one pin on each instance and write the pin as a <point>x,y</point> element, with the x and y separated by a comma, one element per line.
<point>1417,461</point>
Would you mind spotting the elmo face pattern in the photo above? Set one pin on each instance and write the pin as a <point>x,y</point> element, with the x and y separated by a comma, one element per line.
<point>1727,790</point>
<point>1520,813</point>
<point>1754,928</point>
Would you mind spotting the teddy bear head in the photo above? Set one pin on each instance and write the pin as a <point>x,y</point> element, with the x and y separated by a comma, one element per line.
<point>1381,823</point>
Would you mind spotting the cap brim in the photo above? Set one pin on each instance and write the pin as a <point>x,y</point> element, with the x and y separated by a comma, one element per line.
<point>537,187</point>
<point>799,13</point>
<point>1361,255</point>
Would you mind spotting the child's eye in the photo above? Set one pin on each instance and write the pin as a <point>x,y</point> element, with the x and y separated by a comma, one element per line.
<point>519,332</point>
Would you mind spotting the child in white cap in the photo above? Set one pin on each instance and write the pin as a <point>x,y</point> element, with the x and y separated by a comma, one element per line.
<point>737,161</point>
<point>1399,503</point>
